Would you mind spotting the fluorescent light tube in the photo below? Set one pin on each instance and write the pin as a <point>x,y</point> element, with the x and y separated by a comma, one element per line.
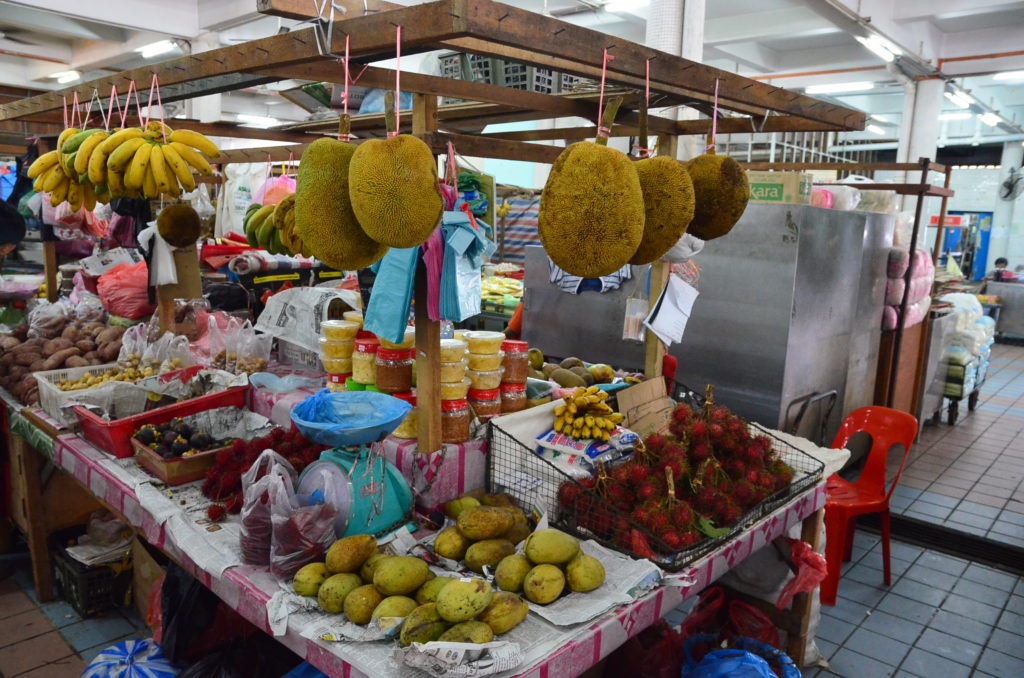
<point>156,48</point>
<point>990,119</point>
<point>256,120</point>
<point>875,129</point>
<point>959,115</point>
<point>839,87</point>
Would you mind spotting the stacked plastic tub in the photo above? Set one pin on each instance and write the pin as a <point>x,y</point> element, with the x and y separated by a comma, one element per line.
<point>971,346</point>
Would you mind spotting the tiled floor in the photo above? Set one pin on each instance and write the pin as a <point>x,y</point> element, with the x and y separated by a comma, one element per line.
<point>970,477</point>
<point>943,617</point>
<point>50,640</point>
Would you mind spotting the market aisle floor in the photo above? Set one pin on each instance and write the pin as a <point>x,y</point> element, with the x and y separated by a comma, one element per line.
<point>970,477</point>
<point>942,617</point>
<point>50,640</point>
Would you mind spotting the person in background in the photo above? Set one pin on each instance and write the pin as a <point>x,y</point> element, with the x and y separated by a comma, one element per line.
<point>1001,272</point>
<point>12,229</point>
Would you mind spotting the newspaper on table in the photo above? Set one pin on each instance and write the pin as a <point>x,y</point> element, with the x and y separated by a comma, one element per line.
<point>455,660</point>
<point>336,628</point>
<point>90,552</point>
<point>287,608</point>
<point>98,264</point>
<point>295,315</point>
<point>212,545</point>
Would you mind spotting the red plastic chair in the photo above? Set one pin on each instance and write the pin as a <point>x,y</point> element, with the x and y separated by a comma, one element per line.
<point>868,494</point>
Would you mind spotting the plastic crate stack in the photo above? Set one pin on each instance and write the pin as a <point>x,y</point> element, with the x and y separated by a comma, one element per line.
<point>968,356</point>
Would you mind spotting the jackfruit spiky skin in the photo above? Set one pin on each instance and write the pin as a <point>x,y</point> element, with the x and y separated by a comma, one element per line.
<point>592,210</point>
<point>323,212</point>
<point>394,192</point>
<point>178,225</point>
<point>721,190</point>
<point>668,206</point>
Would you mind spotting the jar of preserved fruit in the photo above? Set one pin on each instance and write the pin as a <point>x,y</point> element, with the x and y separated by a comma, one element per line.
<point>364,360</point>
<point>513,398</point>
<point>485,403</point>
<point>407,429</point>
<point>454,421</point>
<point>394,370</point>
<point>516,361</point>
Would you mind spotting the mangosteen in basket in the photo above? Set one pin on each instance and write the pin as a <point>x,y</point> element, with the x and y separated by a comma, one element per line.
<point>146,435</point>
<point>201,440</point>
<point>169,437</point>
<point>182,428</point>
<point>164,451</point>
<point>179,448</point>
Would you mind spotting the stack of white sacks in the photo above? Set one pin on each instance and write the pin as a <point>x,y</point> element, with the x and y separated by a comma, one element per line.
<point>970,346</point>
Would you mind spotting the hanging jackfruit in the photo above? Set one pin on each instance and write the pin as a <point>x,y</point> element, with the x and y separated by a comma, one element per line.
<point>178,225</point>
<point>324,218</point>
<point>668,205</point>
<point>393,186</point>
<point>721,190</point>
<point>591,216</point>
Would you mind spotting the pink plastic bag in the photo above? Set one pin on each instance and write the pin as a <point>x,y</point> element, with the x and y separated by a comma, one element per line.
<point>274,190</point>
<point>124,291</point>
<point>810,572</point>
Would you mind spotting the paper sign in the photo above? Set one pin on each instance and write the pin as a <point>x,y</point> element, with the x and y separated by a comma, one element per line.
<point>646,406</point>
<point>668,318</point>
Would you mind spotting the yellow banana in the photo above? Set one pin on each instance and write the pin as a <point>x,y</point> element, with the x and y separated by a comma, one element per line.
<point>192,157</point>
<point>115,183</point>
<point>137,169</point>
<point>37,185</point>
<point>149,188</point>
<point>65,135</point>
<point>52,177</point>
<point>98,166</point>
<point>180,168</point>
<point>559,423</point>
<point>88,197</point>
<point>156,129</point>
<point>84,153</point>
<point>165,179</point>
<point>74,196</point>
<point>42,163</point>
<point>60,192</point>
<point>119,137</point>
<point>122,155</point>
<point>195,140</point>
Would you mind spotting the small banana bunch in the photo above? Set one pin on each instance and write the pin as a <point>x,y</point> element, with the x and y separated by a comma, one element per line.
<point>585,415</point>
<point>93,165</point>
<point>272,227</point>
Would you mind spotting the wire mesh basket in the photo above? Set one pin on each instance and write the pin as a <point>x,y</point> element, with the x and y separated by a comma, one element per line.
<point>537,482</point>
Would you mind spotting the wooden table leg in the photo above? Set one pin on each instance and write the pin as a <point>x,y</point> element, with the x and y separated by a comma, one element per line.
<point>801,606</point>
<point>26,465</point>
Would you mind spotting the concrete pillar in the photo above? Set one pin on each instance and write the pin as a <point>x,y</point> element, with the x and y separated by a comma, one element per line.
<point>1007,236</point>
<point>919,138</point>
<point>677,27</point>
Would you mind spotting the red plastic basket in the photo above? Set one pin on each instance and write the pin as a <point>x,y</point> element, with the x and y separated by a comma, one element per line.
<point>114,437</point>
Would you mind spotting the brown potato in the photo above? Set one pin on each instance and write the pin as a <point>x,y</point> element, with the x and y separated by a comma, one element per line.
<point>58,358</point>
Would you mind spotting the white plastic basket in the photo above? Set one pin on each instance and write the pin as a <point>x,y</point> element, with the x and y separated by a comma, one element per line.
<point>52,398</point>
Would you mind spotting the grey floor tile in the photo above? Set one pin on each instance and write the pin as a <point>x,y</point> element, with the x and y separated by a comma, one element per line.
<point>1000,664</point>
<point>906,491</point>
<point>922,593</point>
<point>949,646</point>
<point>834,630</point>
<point>983,522</point>
<point>966,529</point>
<point>907,552</point>
<point>980,592</point>
<point>892,626</point>
<point>990,577</point>
<point>846,610</point>
<point>1007,643</point>
<point>968,629</point>
<point>943,563</point>
<point>938,499</point>
<point>934,578</point>
<point>978,509</point>
<point>922,663</point>
<point>925,511</point>
<point>865,594</point>
<point>864,575</point>
<point>907,608</point>
<point>972,609</point>
<point>899,504</point>
<point>826,647</point>
<point>848,663</point>
<point>1012,622</point>
<point>1012,517</point>
<point>1015,604</point>
<point>877,646</point>
<point>1008,529</point>
<point>874,560</point>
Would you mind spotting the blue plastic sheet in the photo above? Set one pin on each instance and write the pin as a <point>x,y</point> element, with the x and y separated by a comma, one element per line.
<point>387,315</point>
<point>348,417</point>
<point>745,660</point>
<point>466,249</point>
<point>131,659</point>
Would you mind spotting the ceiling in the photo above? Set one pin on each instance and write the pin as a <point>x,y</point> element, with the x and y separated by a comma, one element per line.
<point>790,43</point>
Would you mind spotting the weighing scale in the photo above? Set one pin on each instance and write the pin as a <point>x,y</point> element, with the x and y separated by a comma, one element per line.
<point>371,494</point>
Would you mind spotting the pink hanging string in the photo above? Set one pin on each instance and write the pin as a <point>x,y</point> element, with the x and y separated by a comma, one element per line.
<point>714,121</point>
<point>398,81</point>
<point>127,104</point>
<point>451,170</point>
<point>110,107</point>
<point>154,86</point>
<point>603,131</point>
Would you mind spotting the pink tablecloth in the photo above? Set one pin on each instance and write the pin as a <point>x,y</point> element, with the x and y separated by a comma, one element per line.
<point>442,476</point>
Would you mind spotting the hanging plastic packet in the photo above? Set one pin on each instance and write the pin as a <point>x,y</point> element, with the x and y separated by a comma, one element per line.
<point>636,312</point>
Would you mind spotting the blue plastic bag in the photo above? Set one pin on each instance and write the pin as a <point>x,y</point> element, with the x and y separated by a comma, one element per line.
<point>387,315</point>
<point>348,417</point>
<point>131,659</point>
<point>746,659</point>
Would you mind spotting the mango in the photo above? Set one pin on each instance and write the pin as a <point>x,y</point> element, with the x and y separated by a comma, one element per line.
<point>335,590</point>
<point>370,566</point>
<point>423,625</point>
<point>360,604</point>
<point>543,584</point>
<point>511,572</point>
<point>488,552</point>
<point>463,599</point>
<point>394,606</point>
<point>456,506</point>
<point>551,547</point>
<point>504,613</point>
<point>349,553</point>
<point>584,573</point>
<point>520,529</point>
<point>450,543</point>
<point>536,358</point>
<point>498,499</point>
<point>468,632</point>
<point>308,579</point>
<point>428,592</point>
<point>483,522</point>
<point>399,575</point>
<point>603,374</point>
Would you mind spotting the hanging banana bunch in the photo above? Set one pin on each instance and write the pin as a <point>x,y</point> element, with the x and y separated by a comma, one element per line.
<point>90,166</point>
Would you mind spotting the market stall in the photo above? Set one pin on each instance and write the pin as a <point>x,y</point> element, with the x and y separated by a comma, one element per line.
<point>179,427</point>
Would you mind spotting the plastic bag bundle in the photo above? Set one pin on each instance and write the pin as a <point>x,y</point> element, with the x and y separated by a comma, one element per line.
<point>124,291</point>
<point>747,658</point>
<point>303,534</point>
<point>270,478</point>
<point>46,320</point>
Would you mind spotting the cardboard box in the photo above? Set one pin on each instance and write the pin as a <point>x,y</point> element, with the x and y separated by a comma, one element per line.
<point>146,569</point>
<point>646,406</point>
<point>788,188</point>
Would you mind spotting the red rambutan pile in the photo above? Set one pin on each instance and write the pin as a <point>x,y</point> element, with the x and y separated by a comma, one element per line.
<point>234,503</point>
<point>728,513</point>
<point>671,538</point>
<point>699,428</point>
<point>216,513</point>
<point>568,493</point>
<point>651,488</point>
<point>719,413</point>
<point>620,474</point>
<point>682,515</point>
<point>699,453</point>
<point>655,442</point>
<point>637,473</point>
<point>744,493</point>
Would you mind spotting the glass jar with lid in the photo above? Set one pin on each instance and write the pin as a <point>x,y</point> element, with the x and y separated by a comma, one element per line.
<point>516,361</point>
<point>485,403</point>
<point>394,370</point>
<point>364,360</point>
<point>513,398</point>
<point>454,421</point>
<point>407,429</point>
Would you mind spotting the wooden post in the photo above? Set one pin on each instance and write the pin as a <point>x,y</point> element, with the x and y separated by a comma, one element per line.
<point>189,286</point>
<point>941,228</point>
<point>654,349</point>
<point>428,332</point>
<point>26,466</point>
<point>801,606</point>
<point>50,269</point>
